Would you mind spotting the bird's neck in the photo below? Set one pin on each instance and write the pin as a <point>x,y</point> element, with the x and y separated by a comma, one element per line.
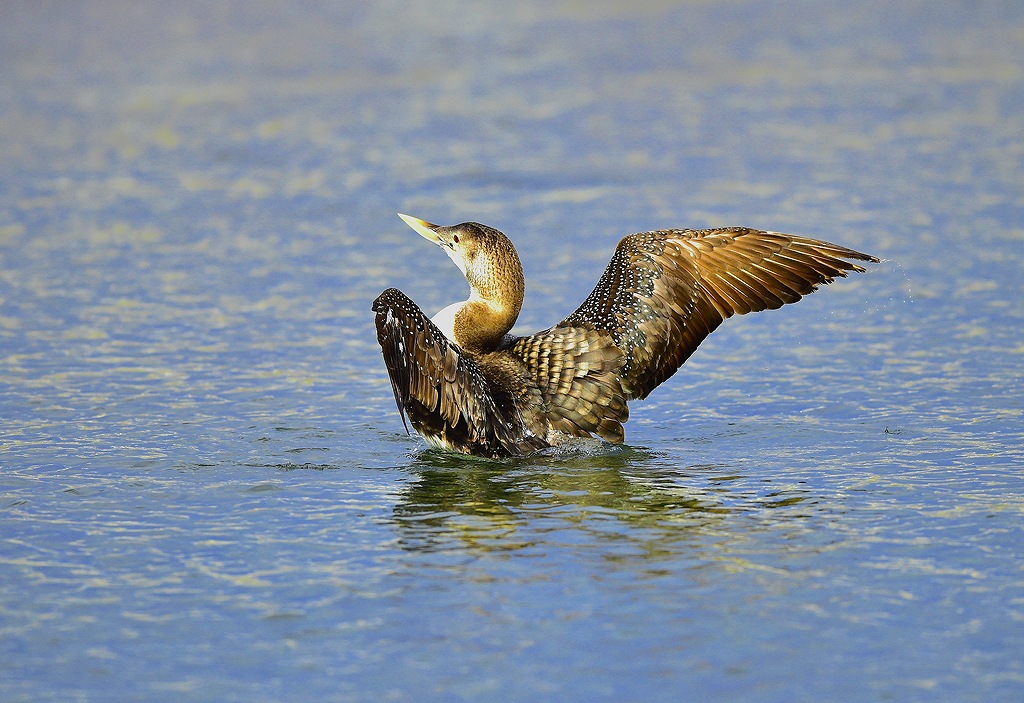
<point>480,323</point>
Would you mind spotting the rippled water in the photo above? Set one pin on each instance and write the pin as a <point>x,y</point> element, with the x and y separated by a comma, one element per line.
<point>206,493</point>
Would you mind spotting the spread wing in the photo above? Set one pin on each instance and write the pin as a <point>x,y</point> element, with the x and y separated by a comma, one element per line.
<point>443,392</point>
<point>664,292</point>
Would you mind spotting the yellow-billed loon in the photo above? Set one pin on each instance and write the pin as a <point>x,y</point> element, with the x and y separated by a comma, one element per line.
<point>467,385</point>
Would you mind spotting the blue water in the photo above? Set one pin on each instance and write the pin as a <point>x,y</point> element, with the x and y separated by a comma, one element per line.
<point>206,493</point>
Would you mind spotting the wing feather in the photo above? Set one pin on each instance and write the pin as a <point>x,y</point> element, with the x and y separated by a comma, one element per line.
<point>576,371</point>
<point>664,292</point>
<point>444,393</point>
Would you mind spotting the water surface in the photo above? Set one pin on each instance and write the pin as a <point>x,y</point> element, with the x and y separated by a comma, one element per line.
<point>206,493</point>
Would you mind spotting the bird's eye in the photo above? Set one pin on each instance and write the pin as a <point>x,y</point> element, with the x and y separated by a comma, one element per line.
<point>455,238</point>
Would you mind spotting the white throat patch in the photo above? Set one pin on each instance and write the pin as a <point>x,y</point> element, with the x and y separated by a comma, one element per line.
<point>445,320</point>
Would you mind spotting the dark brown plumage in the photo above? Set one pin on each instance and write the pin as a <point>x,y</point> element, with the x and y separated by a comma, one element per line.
<point>466,385</point>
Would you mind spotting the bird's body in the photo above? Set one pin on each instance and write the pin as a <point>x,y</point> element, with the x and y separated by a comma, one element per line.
<point>467,385</point>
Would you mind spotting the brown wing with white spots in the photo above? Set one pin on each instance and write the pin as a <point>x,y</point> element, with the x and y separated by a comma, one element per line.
<point>441,390</point>
<point>575,372</point>
<point>664,292</point>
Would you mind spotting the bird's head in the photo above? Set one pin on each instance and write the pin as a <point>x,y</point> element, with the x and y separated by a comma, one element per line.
<point>485,256</point>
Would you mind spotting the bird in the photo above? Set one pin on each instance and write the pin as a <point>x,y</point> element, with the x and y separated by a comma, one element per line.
<point>467,385</point>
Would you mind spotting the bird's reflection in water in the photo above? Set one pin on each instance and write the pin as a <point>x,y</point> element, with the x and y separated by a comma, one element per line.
<point>606,490</point>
